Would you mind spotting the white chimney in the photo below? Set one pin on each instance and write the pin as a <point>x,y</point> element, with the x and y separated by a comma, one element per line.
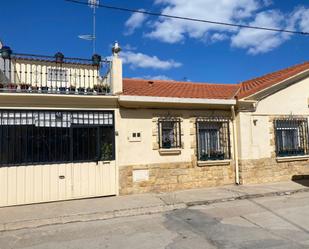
<point>116,70</point>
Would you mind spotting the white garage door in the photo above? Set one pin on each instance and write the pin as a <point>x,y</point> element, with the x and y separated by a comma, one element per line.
<point>56,155</point>
<point>44,183</point>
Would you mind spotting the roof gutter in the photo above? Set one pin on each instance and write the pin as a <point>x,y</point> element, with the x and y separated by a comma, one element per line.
<point>171,100</point>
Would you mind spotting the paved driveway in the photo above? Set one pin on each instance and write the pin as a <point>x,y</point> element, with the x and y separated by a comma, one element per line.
<point>274,222</point>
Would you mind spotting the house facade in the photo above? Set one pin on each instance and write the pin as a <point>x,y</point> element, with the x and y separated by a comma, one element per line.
<point>272,119</point>
<point>57,128</point>
<point>175,136</point>
<point>73,128</point>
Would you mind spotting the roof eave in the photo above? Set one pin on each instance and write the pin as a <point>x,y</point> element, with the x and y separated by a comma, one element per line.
<point>161,102</point>
<point>263,93</point>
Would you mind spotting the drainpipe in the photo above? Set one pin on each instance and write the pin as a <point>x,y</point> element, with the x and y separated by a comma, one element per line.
<point>235,145</point>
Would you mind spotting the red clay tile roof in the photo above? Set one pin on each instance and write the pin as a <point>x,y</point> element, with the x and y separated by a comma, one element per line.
<point>176,89</point>
<point>255,85</point>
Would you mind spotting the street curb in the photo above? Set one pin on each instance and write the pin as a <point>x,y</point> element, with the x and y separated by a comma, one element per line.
<point>4,227</point>
<point>17,225</point>
<point>247,197</point>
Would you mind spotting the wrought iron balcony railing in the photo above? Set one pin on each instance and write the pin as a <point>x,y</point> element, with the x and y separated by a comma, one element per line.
<point>26,73</point>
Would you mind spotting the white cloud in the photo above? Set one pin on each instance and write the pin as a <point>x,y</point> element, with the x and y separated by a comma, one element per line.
<point>129,47</point>
<point>173,30</point>
<point>304,21</point>
<point>140,60</point>
<point>299,19</point>
<point>267,2</point>
<point>260,41</point>
<point>135,21</point>
<point>219,37</point>
<point>245,12</point>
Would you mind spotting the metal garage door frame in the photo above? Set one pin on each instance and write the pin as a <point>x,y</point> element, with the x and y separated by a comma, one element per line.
<point>35,183</point>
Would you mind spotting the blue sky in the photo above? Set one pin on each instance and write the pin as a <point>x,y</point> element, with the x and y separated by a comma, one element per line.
<point>164,48</point>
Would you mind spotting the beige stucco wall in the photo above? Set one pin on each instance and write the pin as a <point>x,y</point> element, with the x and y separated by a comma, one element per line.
<point>255,127</point>
<point>165,172</point>
<point>256,137</point>
<point>144,121</point>
<point>291,100</point>
<point>115,75</point>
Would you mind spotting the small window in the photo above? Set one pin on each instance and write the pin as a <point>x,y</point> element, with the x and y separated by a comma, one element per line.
<point>169,133</point>
<point>291,137</point>
<point>213,139</point>
<point>57,75</point>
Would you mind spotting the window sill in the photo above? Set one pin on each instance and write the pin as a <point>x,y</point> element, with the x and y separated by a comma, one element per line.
<point>213,163</point>
<point>292,158</point>
<point>170,152</point>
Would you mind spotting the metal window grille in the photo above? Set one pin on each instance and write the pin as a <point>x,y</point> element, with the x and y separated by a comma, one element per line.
<point>45,137</point>
<point>169,133</point>
<point>291,137</point>
<point>213,139</point>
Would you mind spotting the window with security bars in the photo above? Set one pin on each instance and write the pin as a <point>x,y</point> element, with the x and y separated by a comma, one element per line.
<point>169,133</point>
<point>291,137</point>
<point>213,139</point>
<point>45,137</point>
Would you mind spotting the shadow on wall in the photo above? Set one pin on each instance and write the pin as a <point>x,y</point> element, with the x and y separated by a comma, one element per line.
<point>301,179</point>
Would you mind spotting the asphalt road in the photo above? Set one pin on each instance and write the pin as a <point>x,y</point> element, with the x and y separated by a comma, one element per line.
<point>274,223</point>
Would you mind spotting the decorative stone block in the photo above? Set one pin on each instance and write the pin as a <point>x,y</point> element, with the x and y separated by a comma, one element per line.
<point>192,131</point>
<point>174,176</point>
<point>193,144</point>
<point>269,170</point>
<point>155,146</point>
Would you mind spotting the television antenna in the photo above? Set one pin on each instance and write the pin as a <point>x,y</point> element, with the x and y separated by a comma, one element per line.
<point>93,4</point>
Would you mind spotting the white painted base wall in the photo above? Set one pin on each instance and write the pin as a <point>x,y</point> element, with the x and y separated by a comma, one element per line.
<point>45,183</point>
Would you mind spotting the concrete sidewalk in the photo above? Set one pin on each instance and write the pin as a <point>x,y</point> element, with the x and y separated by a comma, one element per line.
<point>30,216</point>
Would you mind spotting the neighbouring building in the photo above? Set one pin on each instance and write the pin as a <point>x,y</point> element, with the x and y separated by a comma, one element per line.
<point>272,124</point>
<point>57,127</point>
<point>74,128</point>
